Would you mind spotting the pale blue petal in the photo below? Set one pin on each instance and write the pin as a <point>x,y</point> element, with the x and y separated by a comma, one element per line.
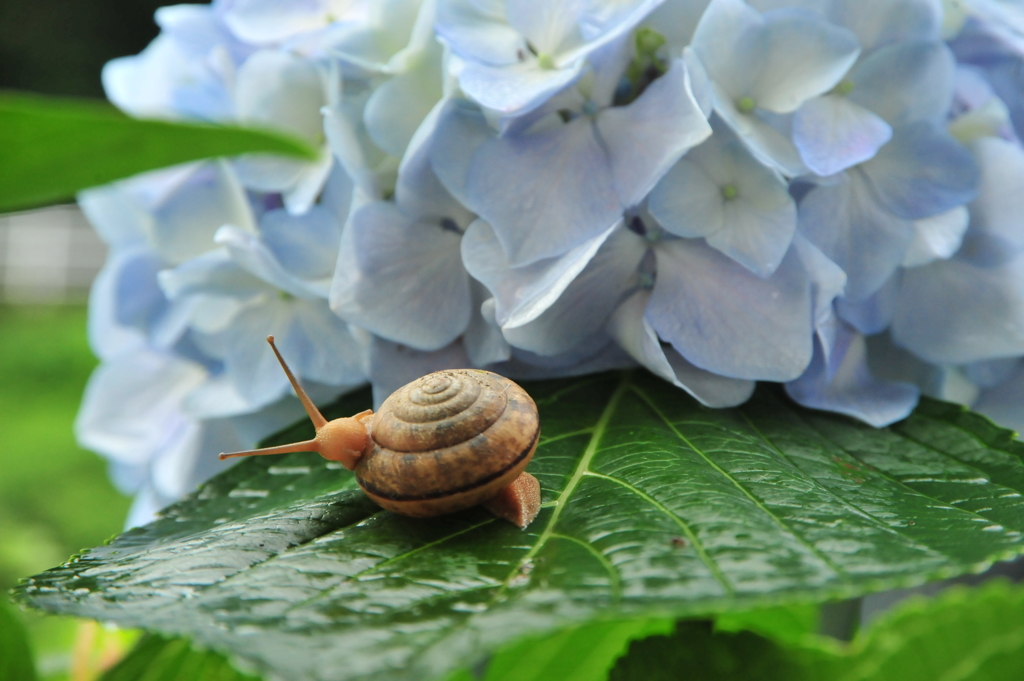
<point>845,221</point>
<point>597,353</point>
<point>583,308</point>
<point>517,88</point>
<point>1002,403</point>
<point>187,217</point>
<point>483,339</point>
<point>938,237</point>
<point>727,320</point>
<point>327,351</point>
<point>418,190</point>
<point>875,313</point>
<point>996,213</point>
<point>523,293</point>
<point>461,130</point>
<point>798,56</point>
<point>880,22</point>
<point>212,273</point>
<point>906,82</point>
<point>404,280</point>
<point>253,256</point>
<point>306,246</point>
<point>132,404</point>
<point>991,373</point>
<point>845,385</point>
<point>922,172</point>
<point>630,328</point>
<point>109,335</point>
<point>765,142</point>
<point>477,31</point>
<point>393,365</point>
<point>754,227</point>
<point>544,192</point>
<point>954,312</point>
<point>688,201</point>
<point>828,281</point>
<point>833,133</point>
<point>314,341</point>
<point>644,139</point>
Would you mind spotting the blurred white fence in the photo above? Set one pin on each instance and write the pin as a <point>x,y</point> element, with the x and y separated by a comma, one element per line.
<point>50,255</point>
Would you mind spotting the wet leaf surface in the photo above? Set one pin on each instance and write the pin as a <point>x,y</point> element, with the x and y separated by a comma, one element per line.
<point>653,507</point>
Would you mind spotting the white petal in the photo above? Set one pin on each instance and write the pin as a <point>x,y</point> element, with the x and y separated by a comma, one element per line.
<point>477,30</point>
<point>881,22</point>
<point>725,41</point>
<point>997,212</point>
<point>801,57</point>
<point>515,89</point>
<point>396,108</point>
<point>937,238</point>
<point>634,333</point>
<point>132,403</point>
<point>765,142</point>
<point>283,91</point>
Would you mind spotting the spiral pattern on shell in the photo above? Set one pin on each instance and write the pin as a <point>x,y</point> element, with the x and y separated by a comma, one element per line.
<point>447,441</point>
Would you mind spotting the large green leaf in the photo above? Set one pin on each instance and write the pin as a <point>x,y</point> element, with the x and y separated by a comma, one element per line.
<point>15,655</point>
<point>653,507</point>
<point>51,147</point>
<point>962,635</point>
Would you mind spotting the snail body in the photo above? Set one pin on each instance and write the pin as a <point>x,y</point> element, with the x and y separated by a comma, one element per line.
<point>445,442</point>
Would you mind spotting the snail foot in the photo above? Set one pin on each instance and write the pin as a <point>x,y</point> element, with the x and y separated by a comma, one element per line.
<point>518,503</point>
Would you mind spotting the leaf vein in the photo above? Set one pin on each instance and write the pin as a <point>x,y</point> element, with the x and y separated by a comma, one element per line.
<point>750,495</point>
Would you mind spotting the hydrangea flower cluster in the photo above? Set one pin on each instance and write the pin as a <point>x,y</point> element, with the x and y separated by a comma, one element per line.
<point>827,194</point>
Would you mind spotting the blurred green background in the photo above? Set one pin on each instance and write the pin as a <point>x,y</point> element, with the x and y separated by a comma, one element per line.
<point>54,497</point>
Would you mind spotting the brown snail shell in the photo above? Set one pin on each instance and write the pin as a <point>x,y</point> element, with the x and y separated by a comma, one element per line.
<point>445,442</point>
<point>448,441</point>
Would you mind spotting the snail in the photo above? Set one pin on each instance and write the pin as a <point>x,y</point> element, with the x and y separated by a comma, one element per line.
<point>443,443</point>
